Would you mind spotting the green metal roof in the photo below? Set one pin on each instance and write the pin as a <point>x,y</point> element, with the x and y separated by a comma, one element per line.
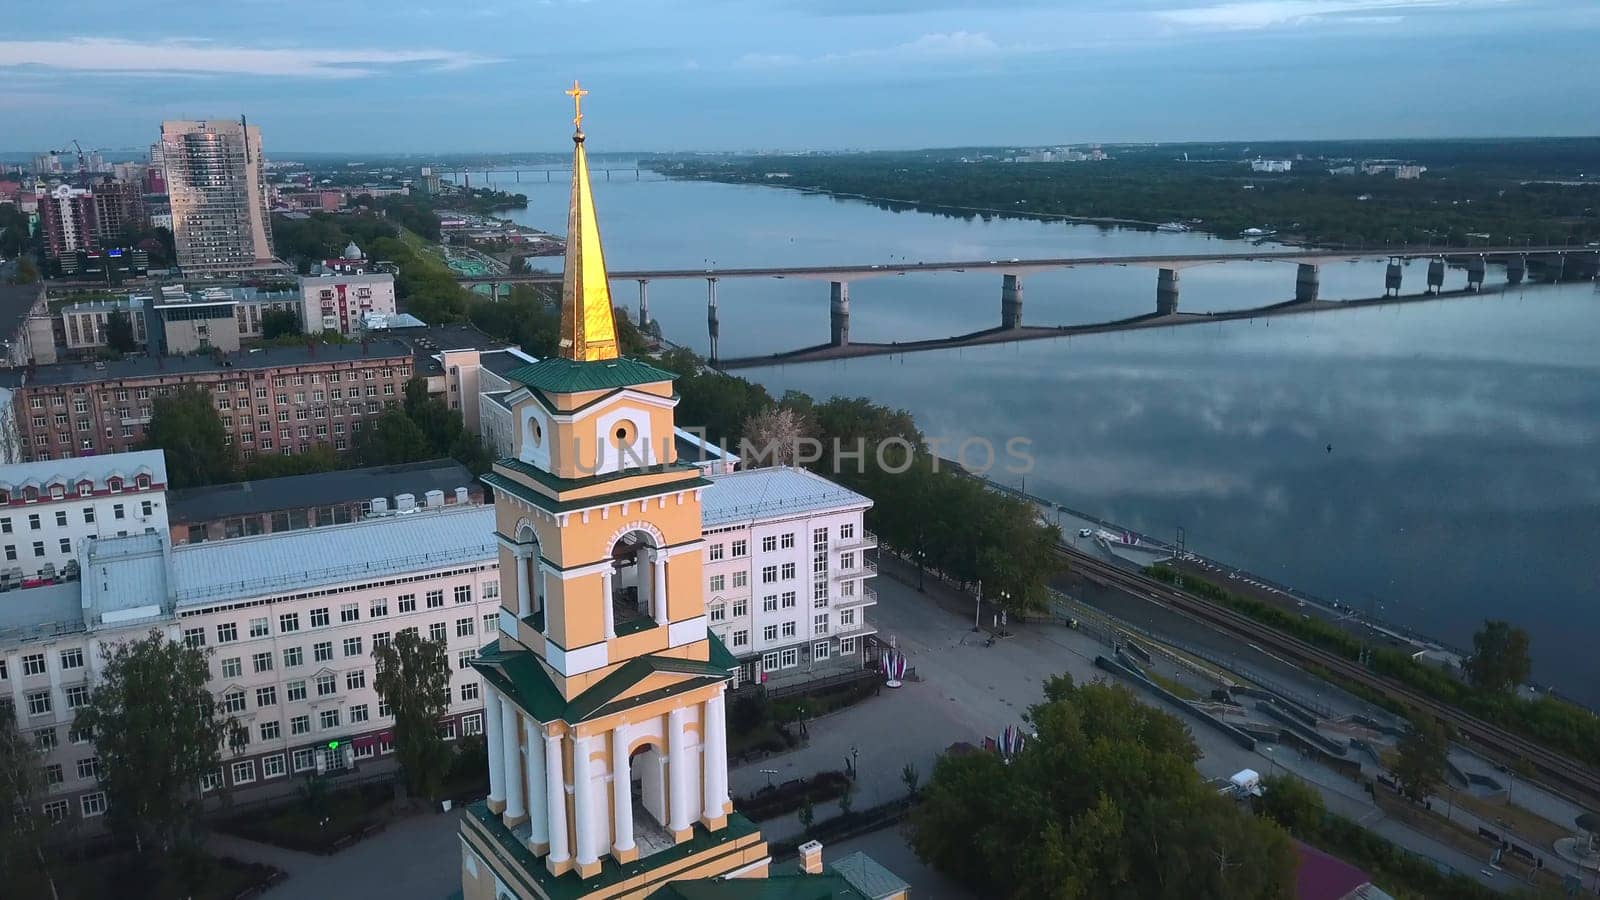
<point>720,656</point>
<point>565,376</point>
<point>557,483</point>
<point>551,505</point>
<point>779,887</point>
<point>518,674</point>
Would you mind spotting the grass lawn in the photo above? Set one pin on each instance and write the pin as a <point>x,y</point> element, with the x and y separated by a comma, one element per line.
<point>111,876</point>
<point>1173,685</point>
<point>346,814</point>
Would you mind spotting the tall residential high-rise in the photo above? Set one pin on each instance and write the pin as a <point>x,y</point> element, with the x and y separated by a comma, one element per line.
<point>219,197</point>
<point>89,219</point>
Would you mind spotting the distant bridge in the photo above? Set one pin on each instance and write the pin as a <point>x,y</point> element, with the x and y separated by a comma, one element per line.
<point>1547,263</point>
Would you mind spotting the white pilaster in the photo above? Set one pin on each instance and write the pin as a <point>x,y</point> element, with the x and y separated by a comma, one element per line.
<point>538,805</point>
<point>677,770</point>
<point>555,798</point>
<point>491,723</point>
<point>524,594</point>
<point>714,750</point>
<point>621,794</point>
<point>583,806</point>
<point>543,598</point>
<point>511,758</point>
<point>606,602</point>
<point>658,594</point>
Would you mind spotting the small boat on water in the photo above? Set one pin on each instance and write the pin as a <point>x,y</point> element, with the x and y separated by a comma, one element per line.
<point>1173,227</point>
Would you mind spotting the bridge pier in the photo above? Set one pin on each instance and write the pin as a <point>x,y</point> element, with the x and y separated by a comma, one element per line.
<point>644,303</point>
<point>1392,276</point>
<point>1167,292</point>
<point>839,313</point>
<point>1516,268</point>
<point>1307,282</point>
<point>1010,301</point>
<point>712,326</point>
<point>1475,267</point>
<point>1436,275</point>
<point>494,291</point>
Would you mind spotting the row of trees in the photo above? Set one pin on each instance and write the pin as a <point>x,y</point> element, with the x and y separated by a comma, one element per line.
<point>158,731</point>
<point>185,424</point>
<point>939,517</point>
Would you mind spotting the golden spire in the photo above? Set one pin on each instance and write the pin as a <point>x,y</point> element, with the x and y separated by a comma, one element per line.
<point>588,331</point>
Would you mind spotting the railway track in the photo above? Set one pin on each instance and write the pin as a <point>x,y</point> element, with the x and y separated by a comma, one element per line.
<point>1559,772</point>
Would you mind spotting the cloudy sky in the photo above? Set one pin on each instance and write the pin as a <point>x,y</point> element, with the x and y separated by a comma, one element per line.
<point>404,75</point>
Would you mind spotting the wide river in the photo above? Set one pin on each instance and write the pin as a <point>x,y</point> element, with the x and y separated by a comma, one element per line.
<point>1438,462</point>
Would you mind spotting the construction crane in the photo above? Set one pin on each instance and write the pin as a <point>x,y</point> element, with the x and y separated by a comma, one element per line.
<point>83,166</point>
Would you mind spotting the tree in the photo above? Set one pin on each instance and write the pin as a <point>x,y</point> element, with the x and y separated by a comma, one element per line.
<point>1420,758</point>
<point>1291,803</point>
<point>847,796</point>
<point>909,776</point>
<point>320,458</point>
<point>1500,659</point>
<point>808,816</point>
<point>24,855</point>
<point>1103,801</point>
<point>119,332</point>
<point>773,436</point>
<point>27,272</point>
<point>276,323</point>
<point>186,426</point>
<point>413,678</point>
<point>157,731</point>
<point>393,439</point>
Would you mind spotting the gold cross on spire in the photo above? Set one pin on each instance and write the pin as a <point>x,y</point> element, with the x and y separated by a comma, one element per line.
<point>577,94</point>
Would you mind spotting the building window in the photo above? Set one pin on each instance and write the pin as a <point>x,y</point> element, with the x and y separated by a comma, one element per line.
<point>741,608</point>
<point>232,667</point>
<point>352,646</point>
<point>717,583</point>
<point>472,723</point>
<point>72,659</point>
<point>464,627</point>
<point>77,696</point>
<point>261,662</point>
<point>769,543</point>
<point>92,805</point>
<point>787,541</point>
<point>464,659</point>
<point>436,599</point>
<point>719,612</point>
<point>233,702</point>
<point>788,629</point>
<point>788,600</point>
<point>355,680</point>
<point>378,608</point>
<point>319,618</point>
<point>788,571</point>
<point>714,552</point>
<point>819,623</point>
<point>769,662</point>
<point>491,590</point>
<point>300,725</point>
<point>359,714</point>
<point>327,686</point>
<point>741,638</point>
<point>322,651</point>
<point>380,639</point>
<point>54,775</point>
<point>267,696</point>
<point>194,637</point>
<point>847,561</point>
<point>789,658</point>
<point>293,656</point>
<point>769,574</point>
<point>272,766</point>
<point>288,622</point>
<point>258,627</point>
<point>244,772</point>
<point>328,718</point>
<point>79,734</point>
<point>57,810</point>
<point>769,603</point>
<point>463,593</point>
<point>847,531</point>
<point>408,603</point>
<point>769,633</point>
<point>820,651</point>
<point>304,759</point>
<point>350,612</point>
<point>295,691</point>
<point>46,739</point>
<point>741,547</point>
<point>33,664</point>
<point>847,645</point>
<point>436,631</point>
<point>469,691</point>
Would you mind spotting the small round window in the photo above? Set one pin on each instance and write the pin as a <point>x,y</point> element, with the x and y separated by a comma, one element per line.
<point>623,434</point>
<point>538,434</point>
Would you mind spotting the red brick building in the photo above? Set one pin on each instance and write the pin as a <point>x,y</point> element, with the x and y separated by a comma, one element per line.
<point>272,400</point>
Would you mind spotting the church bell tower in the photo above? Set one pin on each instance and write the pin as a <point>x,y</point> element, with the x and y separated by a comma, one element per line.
<point>604,690</point>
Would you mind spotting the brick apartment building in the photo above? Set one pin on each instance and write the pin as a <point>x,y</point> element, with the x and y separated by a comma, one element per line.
<point>271,400</point>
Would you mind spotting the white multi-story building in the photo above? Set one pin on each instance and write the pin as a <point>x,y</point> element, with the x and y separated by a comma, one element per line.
<point>786,570</point>
<point>289,622</point>
<point>49,508</point>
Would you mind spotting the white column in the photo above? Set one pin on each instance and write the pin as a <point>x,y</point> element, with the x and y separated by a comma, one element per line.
<point>677,769</point>
<point>658,594</point>
<point>524,596</point>
<point>583,803</point>
<point>491,724</point>
<point>538,805</point>
<point>606,576</point>
<point>714,750</point>
<point>511,758</point>
<point>555,797</point>
<point>621,794</point>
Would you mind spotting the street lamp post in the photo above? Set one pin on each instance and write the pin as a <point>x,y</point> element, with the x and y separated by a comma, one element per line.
<point>977,607</point>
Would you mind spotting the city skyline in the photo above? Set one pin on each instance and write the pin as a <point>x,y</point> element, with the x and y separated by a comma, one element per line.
<point>811,74</point>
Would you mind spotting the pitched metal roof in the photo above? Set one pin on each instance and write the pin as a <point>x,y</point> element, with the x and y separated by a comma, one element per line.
<point>771,493</point>
<point>868,876</point>
<point>567,376</point>
<point>98,469</point>
<point>221,501</point>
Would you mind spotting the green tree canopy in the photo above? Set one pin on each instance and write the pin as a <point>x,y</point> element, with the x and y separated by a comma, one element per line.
<point>157,731</point>
<point>186,426</point>
<point>276,323</point>
<point>1500,657</point>
<point>1420,757</point>
<point>393,438</point>
<point>1291,803</point>
<point>413,678</point>
<point>1103,802</point>
<point>25,858</point>
<point>119,332</point>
